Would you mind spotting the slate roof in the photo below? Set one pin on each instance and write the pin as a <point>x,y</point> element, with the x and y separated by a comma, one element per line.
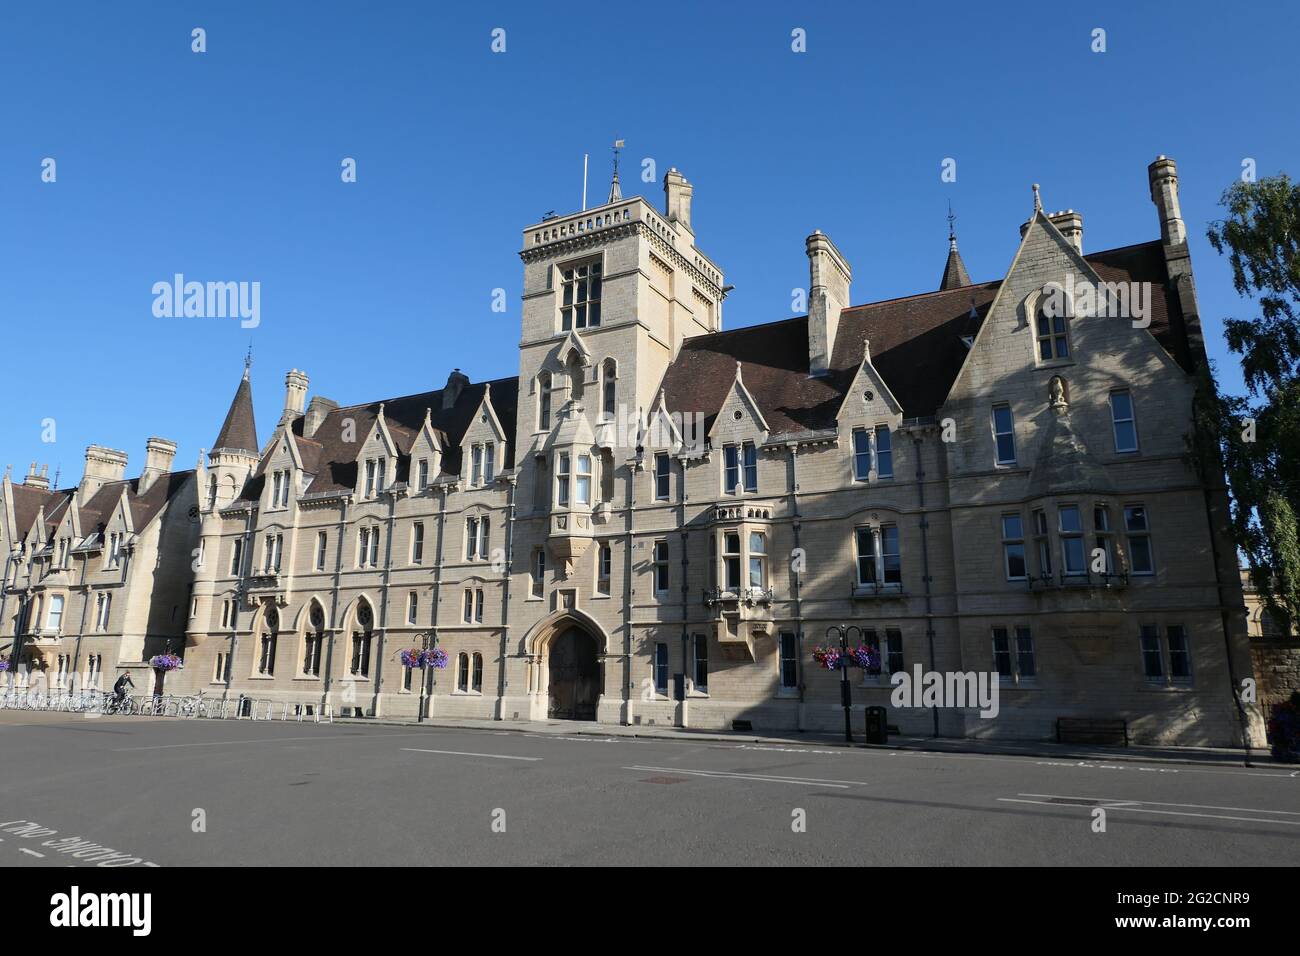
<point>239,430</point>
<point>916,346</point>
<point>333,460</point>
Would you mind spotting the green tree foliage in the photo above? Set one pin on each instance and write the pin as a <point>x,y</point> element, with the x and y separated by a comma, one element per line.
<point>1258,435</point>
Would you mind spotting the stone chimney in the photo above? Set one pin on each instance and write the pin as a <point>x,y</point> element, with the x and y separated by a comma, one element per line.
<point>1163,177</point>
<point>102,466</point>
<point>829,277</point>
<point>1071,225</point>
<point>158,455</point>
<point>677,199</point>
<point>295,395</point>
<point>316,412</point>
<point>456,383</point>
<point>34,480</point>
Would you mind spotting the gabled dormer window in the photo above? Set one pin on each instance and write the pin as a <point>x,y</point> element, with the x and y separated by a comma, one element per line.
<point>280,489</point>
<point>376,476</point>
<point>422,471</point>
<point>739,461</point>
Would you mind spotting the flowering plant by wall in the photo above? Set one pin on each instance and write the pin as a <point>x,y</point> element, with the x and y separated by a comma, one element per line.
<point>166,662</point>
<point>4,664</point>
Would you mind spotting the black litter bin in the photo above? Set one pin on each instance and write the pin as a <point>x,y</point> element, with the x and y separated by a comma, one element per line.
<point>877,729</point>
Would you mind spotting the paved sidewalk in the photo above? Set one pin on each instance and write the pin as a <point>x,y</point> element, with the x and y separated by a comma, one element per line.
<point>1225,756</point>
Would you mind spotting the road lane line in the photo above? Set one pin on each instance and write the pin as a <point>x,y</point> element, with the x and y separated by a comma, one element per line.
<point>264,740</point>
<point>761,778</point>
<point>1161,803</point>
<point>23,849</point>
<point>1164,813</point>
<point>463,753</point>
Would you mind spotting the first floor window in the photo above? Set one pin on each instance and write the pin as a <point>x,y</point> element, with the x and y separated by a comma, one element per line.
<point>661,668</point>
<point>1138,536</point>
<point>54,620</point>
<point>562,480</point>
<point>236,556</point>
<point>661,567</point>
<point>789,661</point>
<point>1102,538</point>
<point>469,606</point>
<point>701,662</point>
<point>731,560</point>
<point>730,469</point>
<point>891,559</point>
<point>1013,547</point>
<point>582,481</point>
<point>478,605</point>
<point>1043,543</point>
<point>417,543</point>
<point>1071,528</point>
<point>219,669</point>
<point>866,542</point>
<point>604,569</point>
<point>539,572</point>
<point>322,545</point>
<point>757,560</point>
<point>412,607</point>
<point>749,454</point>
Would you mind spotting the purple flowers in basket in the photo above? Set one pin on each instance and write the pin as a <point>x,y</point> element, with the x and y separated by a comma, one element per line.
<point>864,656</point>
<point>414,657</point>
<point>166,662</point>
<point>4,665</point>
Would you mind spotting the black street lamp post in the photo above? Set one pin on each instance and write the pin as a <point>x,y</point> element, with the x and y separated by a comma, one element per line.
<point>846,694</point>
<point>428,642</point>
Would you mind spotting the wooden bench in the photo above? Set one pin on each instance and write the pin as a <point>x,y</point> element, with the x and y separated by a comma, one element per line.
<point>1091,730</point>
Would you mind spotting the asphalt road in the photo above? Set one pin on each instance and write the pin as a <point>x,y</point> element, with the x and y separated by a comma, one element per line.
<point>237,793</point>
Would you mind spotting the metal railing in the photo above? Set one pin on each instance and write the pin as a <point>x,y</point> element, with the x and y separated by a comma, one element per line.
<point>166,705</point>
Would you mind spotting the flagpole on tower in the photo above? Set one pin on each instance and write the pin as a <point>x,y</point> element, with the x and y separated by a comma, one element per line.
<point>584,182</point>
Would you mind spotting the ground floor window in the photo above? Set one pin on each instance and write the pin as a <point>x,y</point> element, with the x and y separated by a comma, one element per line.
<point>661,668</point>
<point>701,662</point>
<point>1167,661</point>
<point>789,661</point>
<point>1013,653</point>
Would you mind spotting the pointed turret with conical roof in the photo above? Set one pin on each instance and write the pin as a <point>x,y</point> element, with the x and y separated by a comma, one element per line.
<point>954,271</point>
<point>239,431</point>
<point>234,456</point>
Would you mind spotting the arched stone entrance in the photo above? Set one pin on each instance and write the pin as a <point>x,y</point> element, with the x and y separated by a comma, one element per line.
<point>573,669</point>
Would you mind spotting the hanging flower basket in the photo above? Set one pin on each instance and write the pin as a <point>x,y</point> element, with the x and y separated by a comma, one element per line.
<point>1284,729</point>
<point>166,662</point>
<point>862,656</point>
<point>4,664</point>
<point>414,657</point>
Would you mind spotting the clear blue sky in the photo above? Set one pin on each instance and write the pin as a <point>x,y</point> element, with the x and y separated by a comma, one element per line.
<point>225,166</point>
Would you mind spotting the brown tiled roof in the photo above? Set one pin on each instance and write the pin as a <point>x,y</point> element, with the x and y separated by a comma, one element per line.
<point>916,346</point>
<point>333,461</point>
<point>239,430</point>
<point>27,504</point>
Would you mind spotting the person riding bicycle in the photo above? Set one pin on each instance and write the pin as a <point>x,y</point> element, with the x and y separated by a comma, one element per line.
<point>119,688</point>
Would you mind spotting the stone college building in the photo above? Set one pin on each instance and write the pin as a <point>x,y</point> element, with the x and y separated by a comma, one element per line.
<point>658,519</point>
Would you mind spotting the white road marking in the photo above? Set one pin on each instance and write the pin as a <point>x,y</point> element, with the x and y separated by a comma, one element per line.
<point>264,740</point>
<point>1163,803</point>
<point>762,778</point>
<point>462,753</point>
<point>1135,806</point>
<point>23,849</point>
